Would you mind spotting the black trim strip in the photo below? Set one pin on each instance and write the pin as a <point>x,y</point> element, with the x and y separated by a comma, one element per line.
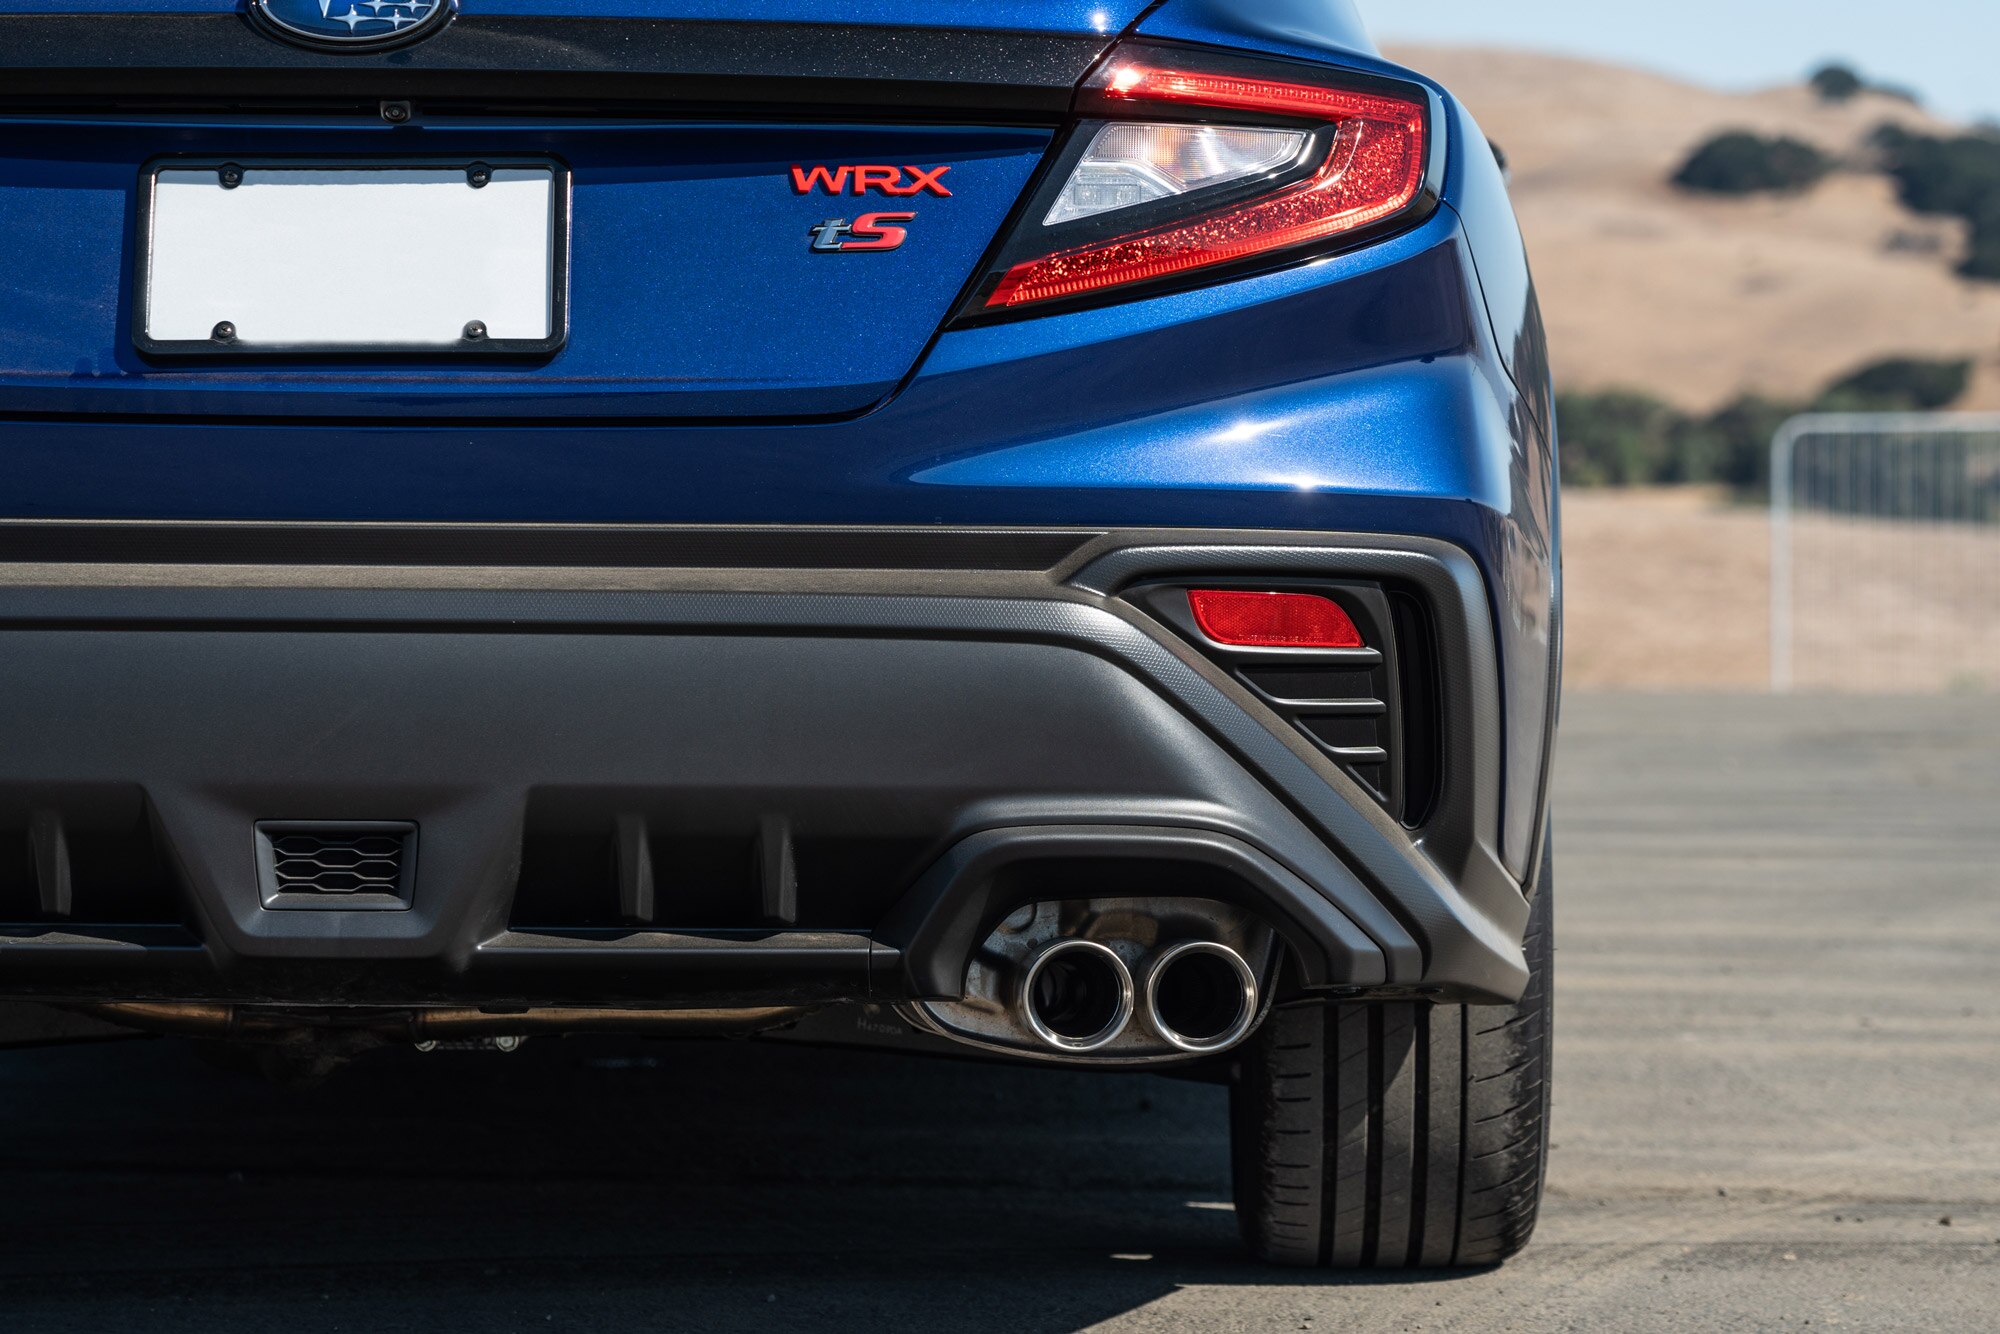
<point>123,56</point>
<point>631,546</point>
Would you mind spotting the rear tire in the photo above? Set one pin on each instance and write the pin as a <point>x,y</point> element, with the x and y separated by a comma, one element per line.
<point>1397,1134</point>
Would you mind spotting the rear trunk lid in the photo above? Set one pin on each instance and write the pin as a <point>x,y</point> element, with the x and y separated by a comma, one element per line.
<point>713,257</point>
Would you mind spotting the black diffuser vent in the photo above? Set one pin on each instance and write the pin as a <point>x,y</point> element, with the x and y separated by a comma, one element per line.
<point>336,864</point>
<point>87,856</point>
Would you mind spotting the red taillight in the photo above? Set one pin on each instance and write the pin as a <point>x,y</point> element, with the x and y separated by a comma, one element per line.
<point>1273,620</point>
<point>1373,169</point>
<point>1142,83</point>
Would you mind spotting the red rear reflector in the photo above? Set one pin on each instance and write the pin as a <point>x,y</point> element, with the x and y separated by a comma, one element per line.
<point>1273,620</point>
<point>1373,171</point>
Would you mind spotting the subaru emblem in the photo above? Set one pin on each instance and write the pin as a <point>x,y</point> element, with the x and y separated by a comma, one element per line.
<point>351,25</point>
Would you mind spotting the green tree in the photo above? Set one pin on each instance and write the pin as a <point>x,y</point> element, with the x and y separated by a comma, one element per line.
<point>1625,437</point>
<point>1836,83</point>
<point>1740,434</point>
<point>1740,163</point>
<point>1899,384</point>
<point>1616,438</point>
<point>1958,177</point>
<point>1982,256</point>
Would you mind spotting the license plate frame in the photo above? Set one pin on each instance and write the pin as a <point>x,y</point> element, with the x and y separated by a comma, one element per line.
<point>389,348</point>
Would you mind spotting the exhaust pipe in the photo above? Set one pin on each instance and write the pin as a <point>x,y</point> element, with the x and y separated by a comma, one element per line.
<point>1202,997</point>
<point>1077,995</point>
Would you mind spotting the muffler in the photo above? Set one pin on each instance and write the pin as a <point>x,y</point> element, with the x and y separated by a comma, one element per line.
<point>1077,995</point>
<point>1201,996</point>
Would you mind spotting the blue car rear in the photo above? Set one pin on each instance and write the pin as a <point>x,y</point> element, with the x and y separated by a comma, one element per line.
<point>1013,529</point>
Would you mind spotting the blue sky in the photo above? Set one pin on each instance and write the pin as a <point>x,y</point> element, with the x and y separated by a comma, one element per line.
<point>1947,50</point>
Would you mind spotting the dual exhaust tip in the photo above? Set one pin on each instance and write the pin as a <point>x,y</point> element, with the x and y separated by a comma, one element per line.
<point>1078,996</point>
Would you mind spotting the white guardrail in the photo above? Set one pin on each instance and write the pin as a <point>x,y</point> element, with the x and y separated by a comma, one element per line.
<point>1885,552</point>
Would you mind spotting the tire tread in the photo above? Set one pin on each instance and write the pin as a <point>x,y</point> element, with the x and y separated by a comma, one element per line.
<point>1397,1134</point>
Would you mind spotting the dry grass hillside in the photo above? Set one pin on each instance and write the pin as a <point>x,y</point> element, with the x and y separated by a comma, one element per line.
<point>1698,299</point>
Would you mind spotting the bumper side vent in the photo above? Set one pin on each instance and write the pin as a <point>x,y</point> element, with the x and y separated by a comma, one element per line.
<point>1373,710</point>
<point>336,864</point>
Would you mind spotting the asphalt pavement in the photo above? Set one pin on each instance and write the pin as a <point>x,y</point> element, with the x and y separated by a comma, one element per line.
<point>1777,1106</point>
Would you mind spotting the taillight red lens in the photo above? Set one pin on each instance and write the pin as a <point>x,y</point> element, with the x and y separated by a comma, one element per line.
<point>1373,170</point>
<point>1144,83</point>
<point>1273,620</point>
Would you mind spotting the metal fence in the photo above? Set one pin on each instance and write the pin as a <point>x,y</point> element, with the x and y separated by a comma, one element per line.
<point>1885,552</point>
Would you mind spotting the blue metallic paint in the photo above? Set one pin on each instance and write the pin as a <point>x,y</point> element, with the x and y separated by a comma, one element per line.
<point>692,291</point>
<point>1312,29</point>
<point>1527,597</point>
<point>1400,389</point>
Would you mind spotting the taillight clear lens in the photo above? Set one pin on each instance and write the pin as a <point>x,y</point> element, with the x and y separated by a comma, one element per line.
<point>1137,164</point>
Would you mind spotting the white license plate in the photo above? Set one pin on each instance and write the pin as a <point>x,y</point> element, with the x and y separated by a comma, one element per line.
<point>410,258</point>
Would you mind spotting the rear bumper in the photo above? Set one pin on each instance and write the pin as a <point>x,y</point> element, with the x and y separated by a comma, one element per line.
<point>842,747</point>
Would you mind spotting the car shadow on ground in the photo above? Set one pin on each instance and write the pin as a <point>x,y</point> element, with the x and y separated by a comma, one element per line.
<point>601,1184</point>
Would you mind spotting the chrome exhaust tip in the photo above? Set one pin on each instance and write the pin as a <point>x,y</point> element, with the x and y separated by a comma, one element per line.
<point>1201,996</point>
<point>1077,995</point>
